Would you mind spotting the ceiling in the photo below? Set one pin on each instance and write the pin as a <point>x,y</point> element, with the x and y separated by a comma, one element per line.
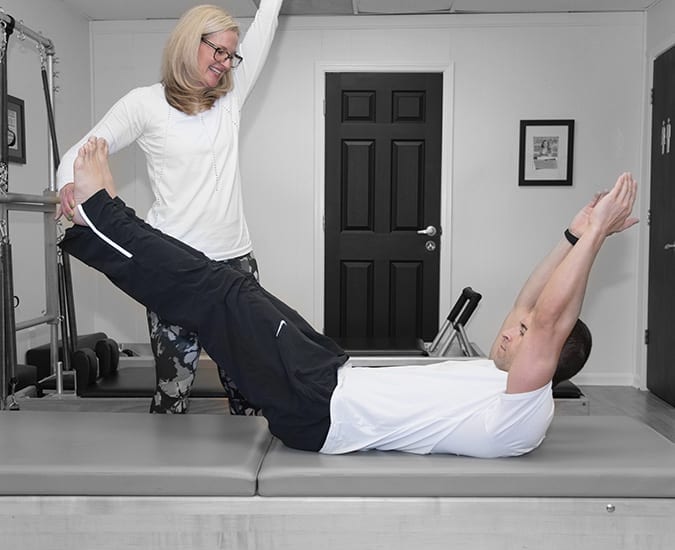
<point>114,10</point>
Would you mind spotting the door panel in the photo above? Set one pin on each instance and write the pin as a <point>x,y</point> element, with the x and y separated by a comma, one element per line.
<point>661,299</point>
<point>383,167</point>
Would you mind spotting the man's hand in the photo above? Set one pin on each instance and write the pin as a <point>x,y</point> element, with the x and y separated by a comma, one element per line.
<point>67,206</point>
<point>612,213</point>
<point>580,221</point>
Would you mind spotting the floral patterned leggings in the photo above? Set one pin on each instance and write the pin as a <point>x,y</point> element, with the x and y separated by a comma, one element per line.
<point>177,351</point>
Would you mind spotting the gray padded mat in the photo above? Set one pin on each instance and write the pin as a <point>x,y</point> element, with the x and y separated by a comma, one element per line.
<point>78,453</point>
<point>582,456</point>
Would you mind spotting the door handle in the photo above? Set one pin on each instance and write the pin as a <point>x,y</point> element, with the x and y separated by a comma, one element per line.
<point>668,137</point>
<point>669,246</point>
<point>430,231</point>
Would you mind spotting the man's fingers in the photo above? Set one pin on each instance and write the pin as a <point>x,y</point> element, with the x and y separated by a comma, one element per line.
<point>631,222</point>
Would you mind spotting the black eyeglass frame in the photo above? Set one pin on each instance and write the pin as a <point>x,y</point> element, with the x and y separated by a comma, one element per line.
<point>235,58</point>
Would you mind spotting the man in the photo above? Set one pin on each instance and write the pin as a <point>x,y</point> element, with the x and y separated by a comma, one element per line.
<point>312,398</point>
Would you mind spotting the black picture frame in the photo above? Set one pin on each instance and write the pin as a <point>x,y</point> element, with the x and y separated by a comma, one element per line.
<point>546,155</point>
<point>16,130</point>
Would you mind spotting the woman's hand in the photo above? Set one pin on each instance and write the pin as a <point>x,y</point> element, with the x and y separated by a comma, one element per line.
<point>67,206</point>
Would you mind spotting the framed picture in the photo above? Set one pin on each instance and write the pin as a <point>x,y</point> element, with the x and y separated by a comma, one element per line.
<point>546,152</point>
<point>16,130</point>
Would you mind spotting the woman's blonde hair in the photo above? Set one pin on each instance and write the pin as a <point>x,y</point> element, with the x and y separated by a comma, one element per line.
<point>180,75</point>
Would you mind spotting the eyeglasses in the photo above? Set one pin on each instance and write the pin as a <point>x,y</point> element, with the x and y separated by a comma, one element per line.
<point>221,55</point>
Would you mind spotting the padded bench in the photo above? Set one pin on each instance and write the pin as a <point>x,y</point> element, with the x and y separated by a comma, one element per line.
<point>116,480</point>
<point>97,453</point>
<point>581,456</point>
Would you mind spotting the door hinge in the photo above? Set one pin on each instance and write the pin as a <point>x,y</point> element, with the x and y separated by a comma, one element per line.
<point>651,96</point>
<point>324,108</point>
<point>646,336</point>
<point>649,217</point>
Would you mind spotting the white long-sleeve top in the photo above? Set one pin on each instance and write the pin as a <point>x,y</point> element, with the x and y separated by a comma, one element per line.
<point>192,160</point>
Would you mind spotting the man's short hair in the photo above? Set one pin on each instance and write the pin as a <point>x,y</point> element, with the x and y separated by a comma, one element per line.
<point>574,353</point>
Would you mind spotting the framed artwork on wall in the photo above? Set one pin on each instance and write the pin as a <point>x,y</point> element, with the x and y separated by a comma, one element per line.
<point>16,130</point>
<point>546,152</point>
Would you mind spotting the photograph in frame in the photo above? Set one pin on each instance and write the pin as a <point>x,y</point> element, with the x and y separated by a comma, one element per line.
<point>16,130</point>
<point>546,152</point>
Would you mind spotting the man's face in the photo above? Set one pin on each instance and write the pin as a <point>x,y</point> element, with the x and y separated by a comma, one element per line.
<point>511,340</point>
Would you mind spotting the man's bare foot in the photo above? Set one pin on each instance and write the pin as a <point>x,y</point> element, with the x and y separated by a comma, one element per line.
<point>89,177</point>
<point>106,174</point>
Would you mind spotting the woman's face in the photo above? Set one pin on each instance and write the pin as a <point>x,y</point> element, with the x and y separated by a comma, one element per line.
<point>211,71</point>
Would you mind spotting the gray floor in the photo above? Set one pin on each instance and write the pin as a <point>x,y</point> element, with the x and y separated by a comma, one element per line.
<point>602,401</point>
<point>641,405</point>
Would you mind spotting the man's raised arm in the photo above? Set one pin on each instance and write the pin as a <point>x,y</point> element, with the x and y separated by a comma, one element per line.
<point>529,294</point>
<point>555,310</point>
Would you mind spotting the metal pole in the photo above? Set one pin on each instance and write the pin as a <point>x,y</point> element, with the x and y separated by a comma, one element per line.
<point>48,85</point>
<point>30,323</point>
<point>26,32</point>
<point>3,308</point>
<point>6,27</point>
<point>10,320</point>
<point>18,199</point>
<point>59,299</point>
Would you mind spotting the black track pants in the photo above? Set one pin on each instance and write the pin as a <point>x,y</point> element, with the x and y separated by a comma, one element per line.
<point>276,359</point>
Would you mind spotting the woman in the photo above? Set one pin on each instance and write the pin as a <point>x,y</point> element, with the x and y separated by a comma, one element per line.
<point>188,127</point>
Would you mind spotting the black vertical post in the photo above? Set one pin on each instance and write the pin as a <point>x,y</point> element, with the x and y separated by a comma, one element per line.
<point>6,302</point>
<point>6,29</point>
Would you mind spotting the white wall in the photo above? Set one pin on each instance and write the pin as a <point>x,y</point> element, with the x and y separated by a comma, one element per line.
<point>499,70</point>
<point>69,33</point>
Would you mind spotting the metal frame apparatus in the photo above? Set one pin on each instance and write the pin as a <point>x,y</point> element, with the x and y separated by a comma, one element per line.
<point>456,320</point>
<point>45,204</point>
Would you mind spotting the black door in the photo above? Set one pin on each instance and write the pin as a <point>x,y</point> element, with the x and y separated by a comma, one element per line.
<point>383,185</point>
<point>661,301</point>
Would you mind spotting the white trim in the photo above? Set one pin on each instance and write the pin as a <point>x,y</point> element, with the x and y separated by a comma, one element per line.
<point>101,236</point>
<point>447,70</point>
<point>605,379</point>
